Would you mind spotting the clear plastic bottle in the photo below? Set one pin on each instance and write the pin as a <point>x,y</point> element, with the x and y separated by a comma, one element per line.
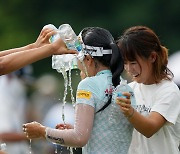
<point>124,87</point>
<point>69,37</point>
<point>54,37</point>
<point>67,61</point>
<point>64,62</point>
<point>118,92</point>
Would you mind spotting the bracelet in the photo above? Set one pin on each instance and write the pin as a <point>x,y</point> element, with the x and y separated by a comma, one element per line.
<point>130,116</point>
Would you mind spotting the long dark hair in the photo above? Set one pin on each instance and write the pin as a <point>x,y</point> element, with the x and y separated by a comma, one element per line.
<point>99,37</point>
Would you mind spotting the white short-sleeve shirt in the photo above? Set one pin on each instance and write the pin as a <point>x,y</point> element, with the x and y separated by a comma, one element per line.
<point>163,98</point>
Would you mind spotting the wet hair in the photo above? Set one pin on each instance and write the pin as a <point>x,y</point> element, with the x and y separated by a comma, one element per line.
<point>141,41</point>
<point>99,37</point>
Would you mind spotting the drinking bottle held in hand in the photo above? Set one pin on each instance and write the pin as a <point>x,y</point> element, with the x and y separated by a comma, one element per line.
<point>69,37</point>
<point>54,37</point>
<point>124,87</point>
<point>115,113</point>
<point>67,61</point>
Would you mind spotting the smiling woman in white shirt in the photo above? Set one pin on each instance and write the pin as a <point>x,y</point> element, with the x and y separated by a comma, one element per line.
<point>157,117</point>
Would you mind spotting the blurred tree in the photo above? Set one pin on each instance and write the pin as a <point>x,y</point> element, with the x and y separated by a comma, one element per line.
<point>21,21</point>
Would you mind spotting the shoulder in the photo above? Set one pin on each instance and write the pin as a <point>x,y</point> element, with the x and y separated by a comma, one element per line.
<point>168,83</point>
<point>89,83</point>
<point>167,96</point>
<point>168,86</point>
<point>86,81</point>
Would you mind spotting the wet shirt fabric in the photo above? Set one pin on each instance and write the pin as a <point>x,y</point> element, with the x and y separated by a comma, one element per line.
<point>111,132</point>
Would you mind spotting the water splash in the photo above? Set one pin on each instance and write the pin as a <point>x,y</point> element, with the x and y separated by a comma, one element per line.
<point>70,85</point>
<point>61,150</point>
<point>85,68</point>
<point>70,150</point>
<point>62,68</point>
<point>56,148</point>
<point>64,73</point>
<point>77,73</point>
<point>30,146</point>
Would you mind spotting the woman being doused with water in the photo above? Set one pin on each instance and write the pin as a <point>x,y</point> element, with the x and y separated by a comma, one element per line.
<point>99,127</point>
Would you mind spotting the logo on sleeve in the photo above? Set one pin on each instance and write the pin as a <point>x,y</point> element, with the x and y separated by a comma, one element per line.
<point>83,94</point>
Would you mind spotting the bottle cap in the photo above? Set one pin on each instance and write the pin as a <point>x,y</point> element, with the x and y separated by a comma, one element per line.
<point>119,94</point>
<point>51,26</point>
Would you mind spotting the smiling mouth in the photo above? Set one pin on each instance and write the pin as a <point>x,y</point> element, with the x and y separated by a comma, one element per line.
<point>135,76</point>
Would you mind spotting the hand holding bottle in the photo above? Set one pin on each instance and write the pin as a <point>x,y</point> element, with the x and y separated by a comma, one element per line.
<point>125,105</point>
<point>44,36</point>
<point>125,98</point>
<point>50,34</point>
<point>69,46</point>
<point>59,47</point>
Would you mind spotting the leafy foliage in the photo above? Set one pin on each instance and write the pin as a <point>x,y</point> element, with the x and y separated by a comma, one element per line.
<point>21,21</point>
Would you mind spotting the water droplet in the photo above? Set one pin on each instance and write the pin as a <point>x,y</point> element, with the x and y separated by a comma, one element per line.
<point>30,146</point>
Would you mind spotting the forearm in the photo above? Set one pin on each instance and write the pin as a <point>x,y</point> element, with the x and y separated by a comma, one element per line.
<point>12,137</point>
<point>6,52</point>
<point>68,137</point>
<point>140,123</point>
<point>148,125</point>
<point>18,60</point>
<point>79,135</point>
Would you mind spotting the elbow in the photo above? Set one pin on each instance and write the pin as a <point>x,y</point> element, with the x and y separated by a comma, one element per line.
<point>80,145</point>
<point>81,142</point>
<point>148,135</point>
<point>150,132</point>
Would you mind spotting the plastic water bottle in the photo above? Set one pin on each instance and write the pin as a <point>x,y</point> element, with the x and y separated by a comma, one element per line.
<point>64,62</point>
<point>115,112</point>
<point>124,87</point>
<point>54,37</point>
<point>67,61</point>
<point>69,37</point>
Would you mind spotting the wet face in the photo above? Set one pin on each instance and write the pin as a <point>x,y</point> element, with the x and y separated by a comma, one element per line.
<point>140,70</point>
<point>87,66</point>
<point>82,75</point>
<point>80,65</point>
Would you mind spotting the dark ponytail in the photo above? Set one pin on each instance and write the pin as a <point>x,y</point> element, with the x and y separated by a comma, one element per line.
<point>117,67</point>
<point>116,64</point>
